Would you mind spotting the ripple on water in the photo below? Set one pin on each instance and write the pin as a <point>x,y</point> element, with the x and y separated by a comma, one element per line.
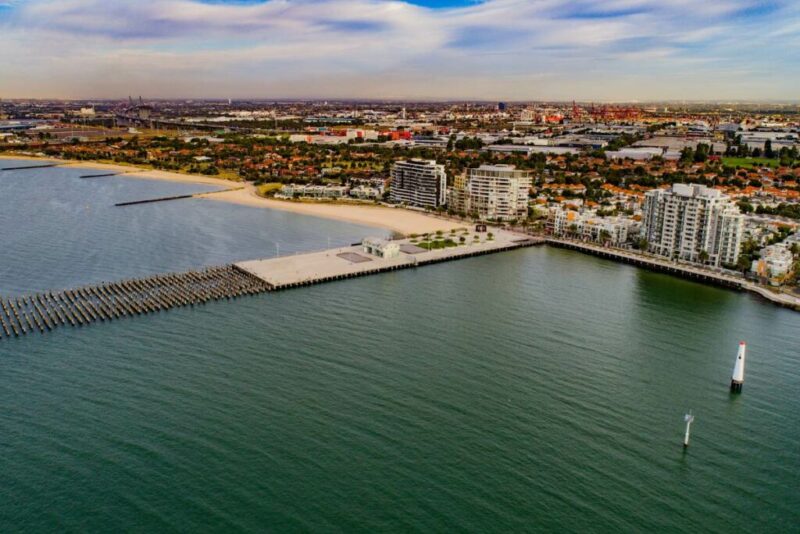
<point>534,390</point>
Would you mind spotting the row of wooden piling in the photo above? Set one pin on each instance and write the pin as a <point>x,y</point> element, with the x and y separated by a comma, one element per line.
<point>44,312</point>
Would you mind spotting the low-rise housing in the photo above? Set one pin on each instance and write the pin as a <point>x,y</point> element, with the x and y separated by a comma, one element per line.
<point>312,191</point>
<point>774,264</point>
<point>587,225</point>
<point>366,192</point>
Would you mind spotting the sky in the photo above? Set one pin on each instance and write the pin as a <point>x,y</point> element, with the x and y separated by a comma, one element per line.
<point>510,50</point>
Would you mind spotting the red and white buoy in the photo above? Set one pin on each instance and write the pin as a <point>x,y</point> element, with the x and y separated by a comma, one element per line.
<point>737,380</point>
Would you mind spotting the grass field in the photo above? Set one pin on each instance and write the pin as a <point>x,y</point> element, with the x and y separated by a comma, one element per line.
<point>749,163</point>
<point>434,245</point>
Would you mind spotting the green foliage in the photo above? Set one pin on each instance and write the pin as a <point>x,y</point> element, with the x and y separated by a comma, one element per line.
<point>469,143</point>
<point>437,244</point>
<point>791,211</point>
<point>748,163</point>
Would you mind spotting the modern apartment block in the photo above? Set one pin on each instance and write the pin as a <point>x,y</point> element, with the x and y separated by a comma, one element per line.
<point>693,223</point>
<point>498,192</point>
<point>418,182</point>
<point>457,196</point>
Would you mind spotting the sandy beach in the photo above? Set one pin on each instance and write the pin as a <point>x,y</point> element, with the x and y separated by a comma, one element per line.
<point>395,219</point>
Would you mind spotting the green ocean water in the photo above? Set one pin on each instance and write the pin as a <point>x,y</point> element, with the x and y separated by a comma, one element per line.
<point>535,390</point>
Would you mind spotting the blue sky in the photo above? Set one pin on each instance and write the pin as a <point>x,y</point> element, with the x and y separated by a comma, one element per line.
<point>609,50</point>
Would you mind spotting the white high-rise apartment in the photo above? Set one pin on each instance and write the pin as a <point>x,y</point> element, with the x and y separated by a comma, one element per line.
<point>693,223</point>
<point>498,192</point>
<point>418,182</point>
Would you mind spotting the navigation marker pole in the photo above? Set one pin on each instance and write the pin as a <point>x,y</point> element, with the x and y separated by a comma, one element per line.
<point>689,418</point>
<point>737,379</point>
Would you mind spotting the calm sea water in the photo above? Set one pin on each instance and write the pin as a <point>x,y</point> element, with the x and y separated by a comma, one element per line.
<point>533,390</point>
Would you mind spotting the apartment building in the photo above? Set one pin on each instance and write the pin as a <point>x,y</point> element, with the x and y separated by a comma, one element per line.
<point>498,192</point>
<point>418,182</point>
<point>693,223</point>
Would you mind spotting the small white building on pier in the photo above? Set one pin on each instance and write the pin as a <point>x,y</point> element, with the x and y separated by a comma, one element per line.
<point>382,248</point>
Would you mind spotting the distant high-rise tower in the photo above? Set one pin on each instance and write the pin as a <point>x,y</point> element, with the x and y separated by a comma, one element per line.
<point>501,107</point>
<point>403,114</point>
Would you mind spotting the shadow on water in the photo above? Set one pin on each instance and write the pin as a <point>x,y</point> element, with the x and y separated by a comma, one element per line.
<point>679,294</point>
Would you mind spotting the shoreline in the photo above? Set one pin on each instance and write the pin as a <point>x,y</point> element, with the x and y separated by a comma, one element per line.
<point>396,220</point>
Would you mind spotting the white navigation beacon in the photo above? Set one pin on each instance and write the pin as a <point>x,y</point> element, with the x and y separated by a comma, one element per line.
<point>737,379</point>
<point>689,418</point>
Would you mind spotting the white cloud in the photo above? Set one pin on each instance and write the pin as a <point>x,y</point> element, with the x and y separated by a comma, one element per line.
<point>514,49</point>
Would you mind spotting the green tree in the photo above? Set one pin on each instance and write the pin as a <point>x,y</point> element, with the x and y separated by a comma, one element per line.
<point>744,262</point>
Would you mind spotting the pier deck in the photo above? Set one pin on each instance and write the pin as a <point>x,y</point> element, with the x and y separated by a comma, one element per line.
<point>348,262</point>
<point>47,311</point>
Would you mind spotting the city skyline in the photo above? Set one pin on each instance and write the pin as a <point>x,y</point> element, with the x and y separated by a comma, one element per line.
<point>624,50</point>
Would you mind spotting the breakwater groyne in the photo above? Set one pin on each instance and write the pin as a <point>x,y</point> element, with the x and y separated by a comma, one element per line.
<point>47,311</point>
<point>151,200</point>
<point>101,175</point>
<point>167,199</point>
<point>42,166</point>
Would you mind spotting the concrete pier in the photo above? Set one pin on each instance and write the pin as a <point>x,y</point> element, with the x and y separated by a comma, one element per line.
<point>349,262</point>
<point>111,301</point>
